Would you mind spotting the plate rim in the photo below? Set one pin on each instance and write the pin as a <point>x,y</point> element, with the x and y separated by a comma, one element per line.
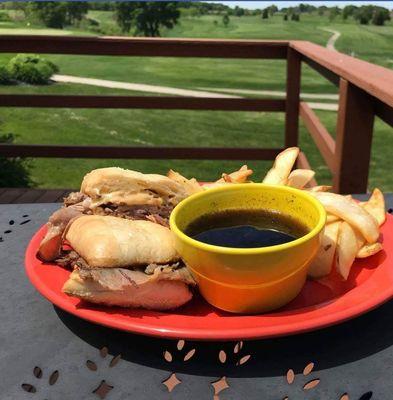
<point>314,322</point>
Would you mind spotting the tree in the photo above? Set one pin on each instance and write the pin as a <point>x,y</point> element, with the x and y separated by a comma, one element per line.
<point>124,14</point>
<point>380,16</point>
<point>151,16</point>
<point>265,13</point>
<point>306,8</point>
<point>333,13</point>
<point>364,14</point>
<point>51,13</point>
<point>76,10</point>
<point>238,11</point>
<point>102,5</point>
<point>349,11</point>
<point>295,17</point>
<point>322,10</point>
<point>225,20</point>
<point>285,17</point>
<point>272,9</point>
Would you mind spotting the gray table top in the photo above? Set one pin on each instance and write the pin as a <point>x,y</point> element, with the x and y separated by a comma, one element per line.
<point>355,357</point>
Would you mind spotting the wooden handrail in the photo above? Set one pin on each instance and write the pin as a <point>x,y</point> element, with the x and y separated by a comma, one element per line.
<point>138,102</point>
<point>151,47</point>
<point>319,133</point>
<point>353,139</point>
<point>136,152</point>
<point>373,79</point>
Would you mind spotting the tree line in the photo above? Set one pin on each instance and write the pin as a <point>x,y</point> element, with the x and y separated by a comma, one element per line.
<point>149,18</point>
<point>145,18</point>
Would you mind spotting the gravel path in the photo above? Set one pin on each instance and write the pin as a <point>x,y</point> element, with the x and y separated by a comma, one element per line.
<point>332,40</point>
<point>138,87</point>
<point>205,92</point>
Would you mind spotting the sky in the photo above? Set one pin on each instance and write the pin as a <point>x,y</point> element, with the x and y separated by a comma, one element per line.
<point>280,4</point>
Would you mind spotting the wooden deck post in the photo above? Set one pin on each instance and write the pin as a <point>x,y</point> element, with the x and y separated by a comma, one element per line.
<point>293,98</point>
<point>354,132</point>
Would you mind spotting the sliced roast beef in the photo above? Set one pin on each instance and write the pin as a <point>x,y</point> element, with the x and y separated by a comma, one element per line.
<point>163,290</point>
<point>50,246</point>
<point>157,214</point>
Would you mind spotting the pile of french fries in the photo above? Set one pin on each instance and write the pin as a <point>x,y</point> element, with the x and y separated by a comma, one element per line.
<point>352,228</point>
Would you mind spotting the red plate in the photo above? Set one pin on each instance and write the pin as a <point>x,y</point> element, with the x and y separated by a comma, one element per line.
<point>320,304</point>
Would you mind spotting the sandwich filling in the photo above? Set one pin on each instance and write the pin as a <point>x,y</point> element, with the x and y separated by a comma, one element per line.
<point>156,213</point>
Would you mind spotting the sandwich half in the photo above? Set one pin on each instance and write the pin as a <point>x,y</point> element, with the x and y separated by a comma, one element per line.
<point>119,193</point>
<point>128,263</point>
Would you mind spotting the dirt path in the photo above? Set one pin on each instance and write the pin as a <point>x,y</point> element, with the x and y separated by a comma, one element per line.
<point>139,87</point>
<point>205,92</point>
<point>332,40</point>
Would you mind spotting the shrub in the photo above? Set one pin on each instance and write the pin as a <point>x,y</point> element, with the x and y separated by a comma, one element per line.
<point>14,172</point>
<point>4,17</point>
<point>380,16</point>
<point>31,69</point>
<point>5,75</point>
<point>295,17</point>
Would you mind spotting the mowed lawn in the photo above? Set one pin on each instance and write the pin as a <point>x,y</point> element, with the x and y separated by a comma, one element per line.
<point>191,128</point>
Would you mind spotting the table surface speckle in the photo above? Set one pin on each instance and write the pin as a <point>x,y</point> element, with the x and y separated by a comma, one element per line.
<point>355,357</point>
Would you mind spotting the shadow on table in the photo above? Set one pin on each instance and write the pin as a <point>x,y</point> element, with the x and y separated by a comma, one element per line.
<point>327,348</point>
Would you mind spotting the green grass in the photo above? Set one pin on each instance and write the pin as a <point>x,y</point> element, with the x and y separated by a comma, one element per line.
<point>190,128</point>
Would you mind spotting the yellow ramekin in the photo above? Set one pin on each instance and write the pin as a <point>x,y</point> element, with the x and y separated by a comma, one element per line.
<point>249,280</point>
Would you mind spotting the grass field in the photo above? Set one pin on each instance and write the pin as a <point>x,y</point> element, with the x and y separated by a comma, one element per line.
<point>176,128</point>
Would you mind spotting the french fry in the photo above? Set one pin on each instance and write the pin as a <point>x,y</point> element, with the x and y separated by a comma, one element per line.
<point>350,212</point>
<point>239,176</point>
<point>299,178</point>
<point>376,206</point>
<point>369,250</point>
<point>330,218</point>
<point>320,188</point>
<point>282,167</point>
<point>212,185</point>
<point>347,249</point>
<point>191,185</point>
<point>323,262</point>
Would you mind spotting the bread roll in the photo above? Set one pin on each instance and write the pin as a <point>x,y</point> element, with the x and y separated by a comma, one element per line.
<point>125,187</point>
<point>110,242</point>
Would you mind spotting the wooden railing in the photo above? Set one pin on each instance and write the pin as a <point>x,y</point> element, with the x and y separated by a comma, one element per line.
<point>365,90</point>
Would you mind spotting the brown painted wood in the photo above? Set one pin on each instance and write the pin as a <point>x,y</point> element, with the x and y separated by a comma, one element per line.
<point>11,195</point>
<point>293,98</point>
<point>384,112</point>
<point>29,196</point>
<point>320,135</point>
<point>51,195</point>
<point>373,79</point>
<point>24,195</point>
<point>353,139</point>
<point>329,75</point>
<point>141,102</point>
<point>179,153</point>
<point>151,47</point>
<point>303,163</point>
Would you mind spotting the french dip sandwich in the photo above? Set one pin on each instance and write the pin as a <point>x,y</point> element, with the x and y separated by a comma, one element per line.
<point>125,263</point>
<point>119,193</point>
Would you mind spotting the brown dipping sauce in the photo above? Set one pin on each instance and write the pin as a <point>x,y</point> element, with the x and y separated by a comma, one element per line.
<point>246,228</point>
